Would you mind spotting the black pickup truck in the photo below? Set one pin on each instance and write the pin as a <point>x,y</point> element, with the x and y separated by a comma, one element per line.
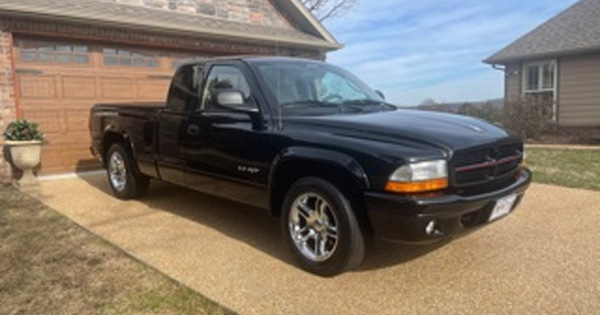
<point>317,147</point>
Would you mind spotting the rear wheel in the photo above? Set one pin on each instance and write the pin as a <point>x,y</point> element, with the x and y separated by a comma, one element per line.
<point>321,229</point>
<point>124,180</point>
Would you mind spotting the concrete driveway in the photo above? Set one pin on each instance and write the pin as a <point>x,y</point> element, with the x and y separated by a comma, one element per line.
<point>543,259</point>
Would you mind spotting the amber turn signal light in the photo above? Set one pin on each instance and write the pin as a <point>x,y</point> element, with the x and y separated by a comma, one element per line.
<point>417,187</point>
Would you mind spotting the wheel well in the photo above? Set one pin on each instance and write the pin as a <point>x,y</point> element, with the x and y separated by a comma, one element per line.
<point>109,139</point>
<point>291,171</point>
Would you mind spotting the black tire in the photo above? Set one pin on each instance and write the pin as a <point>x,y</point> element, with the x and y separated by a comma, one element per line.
<point>349,251</point>
<point>133,184</point>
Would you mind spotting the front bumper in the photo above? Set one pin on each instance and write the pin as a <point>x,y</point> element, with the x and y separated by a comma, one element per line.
<point>405,218</point>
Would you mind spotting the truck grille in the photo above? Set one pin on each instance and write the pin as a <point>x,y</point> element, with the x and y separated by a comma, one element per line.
<point>486,165</point>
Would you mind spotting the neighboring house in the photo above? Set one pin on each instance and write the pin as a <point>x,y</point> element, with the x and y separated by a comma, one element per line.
<point>559,61</point>
<point>58,57</point>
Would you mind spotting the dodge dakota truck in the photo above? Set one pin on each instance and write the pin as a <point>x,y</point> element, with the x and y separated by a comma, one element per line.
<point>317,147</point>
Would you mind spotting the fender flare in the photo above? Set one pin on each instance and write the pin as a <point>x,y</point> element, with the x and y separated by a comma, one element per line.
<point>319,155</point>
<point>112,128</point>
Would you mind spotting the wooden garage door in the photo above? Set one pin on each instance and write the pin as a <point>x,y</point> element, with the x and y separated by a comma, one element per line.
<point>57,83</point>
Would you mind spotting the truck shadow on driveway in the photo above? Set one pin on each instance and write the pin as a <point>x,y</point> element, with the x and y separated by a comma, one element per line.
<point>251,225</point>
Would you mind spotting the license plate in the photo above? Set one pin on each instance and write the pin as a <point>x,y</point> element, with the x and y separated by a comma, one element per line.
<point>503,207</point>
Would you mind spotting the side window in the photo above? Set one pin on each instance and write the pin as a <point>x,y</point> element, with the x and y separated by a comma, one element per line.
<point>225,78</point>
<point>185,93</point>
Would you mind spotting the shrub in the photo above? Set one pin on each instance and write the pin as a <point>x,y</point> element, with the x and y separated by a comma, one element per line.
<point>486,111</point>
<point>23,130</point>
<point>528,117</point>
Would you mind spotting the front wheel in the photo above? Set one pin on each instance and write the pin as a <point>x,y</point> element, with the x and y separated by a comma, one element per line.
<point>125,182</point>
<point>321,229</point>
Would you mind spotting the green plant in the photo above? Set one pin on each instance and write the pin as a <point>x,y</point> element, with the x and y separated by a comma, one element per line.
<point>23,130</point>
<point>528,117</point>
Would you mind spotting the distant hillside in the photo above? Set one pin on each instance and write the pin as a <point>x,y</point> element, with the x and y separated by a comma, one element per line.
<point>454,107</point>
<point>490,110</point>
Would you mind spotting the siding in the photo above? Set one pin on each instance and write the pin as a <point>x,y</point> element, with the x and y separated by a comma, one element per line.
<point>579,91</point>
<point>512,81</point>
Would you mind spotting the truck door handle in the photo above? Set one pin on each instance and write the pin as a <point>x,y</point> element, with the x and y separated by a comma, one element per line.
<point>193,130</point>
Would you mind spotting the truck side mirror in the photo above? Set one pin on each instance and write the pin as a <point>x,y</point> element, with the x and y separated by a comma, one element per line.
<point>380,94</point>
<point>233,100</point>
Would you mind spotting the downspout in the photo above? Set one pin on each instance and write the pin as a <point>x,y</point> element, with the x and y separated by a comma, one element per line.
<point>503,69</point>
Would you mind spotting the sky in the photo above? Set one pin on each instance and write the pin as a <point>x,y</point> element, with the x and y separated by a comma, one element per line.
<point>412,50</point>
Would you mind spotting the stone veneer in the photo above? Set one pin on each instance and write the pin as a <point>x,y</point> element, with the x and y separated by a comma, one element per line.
<point>7,97</point>
<point>247,11</point>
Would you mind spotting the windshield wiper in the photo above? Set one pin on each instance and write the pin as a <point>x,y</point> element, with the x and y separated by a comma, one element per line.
<point>308,103</point>
<point>368,103</point>
<point>365,101</point>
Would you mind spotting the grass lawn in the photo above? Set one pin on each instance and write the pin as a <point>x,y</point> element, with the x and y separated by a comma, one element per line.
<point>565,167</point>
<point>49,265</point>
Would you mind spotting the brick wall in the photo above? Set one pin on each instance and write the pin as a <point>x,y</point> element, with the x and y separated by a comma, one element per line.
<point>248,11</point>
<point>7,97</point>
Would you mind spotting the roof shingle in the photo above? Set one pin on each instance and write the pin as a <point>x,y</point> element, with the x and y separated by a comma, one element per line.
<point>575,30</point>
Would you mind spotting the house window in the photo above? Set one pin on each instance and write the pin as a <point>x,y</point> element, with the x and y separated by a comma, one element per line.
<point>539,82</point>
<point>35,51</point>
<point>129,58</point>
<point>540,77</point>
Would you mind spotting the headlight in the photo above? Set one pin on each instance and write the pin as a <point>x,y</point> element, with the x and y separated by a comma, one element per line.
<point>419,177</point>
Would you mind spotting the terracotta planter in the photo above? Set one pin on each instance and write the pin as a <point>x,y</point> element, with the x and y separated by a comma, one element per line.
<point>25,155</point>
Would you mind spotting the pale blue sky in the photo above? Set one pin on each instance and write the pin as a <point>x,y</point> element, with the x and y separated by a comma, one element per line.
<point>417,49</point>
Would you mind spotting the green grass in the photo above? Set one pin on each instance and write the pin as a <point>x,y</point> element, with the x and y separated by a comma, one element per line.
<point>565,167</point>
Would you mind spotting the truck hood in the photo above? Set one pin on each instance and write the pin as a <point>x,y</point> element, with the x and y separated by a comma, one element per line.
<point>446,131</point>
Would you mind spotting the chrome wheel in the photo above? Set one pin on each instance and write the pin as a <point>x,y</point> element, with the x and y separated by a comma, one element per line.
<point>313,227</point>
<point>117,171</point>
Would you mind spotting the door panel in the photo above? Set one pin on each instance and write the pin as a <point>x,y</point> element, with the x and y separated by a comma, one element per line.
<point>226,157</point>
<point>171,129</point>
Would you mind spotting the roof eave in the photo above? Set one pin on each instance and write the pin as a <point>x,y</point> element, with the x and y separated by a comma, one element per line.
<point>550,54</point>
<point>164,28</point>
<point>313,22</point>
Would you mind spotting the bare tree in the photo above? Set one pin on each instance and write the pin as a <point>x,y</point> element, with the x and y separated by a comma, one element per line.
<point>325,9</point>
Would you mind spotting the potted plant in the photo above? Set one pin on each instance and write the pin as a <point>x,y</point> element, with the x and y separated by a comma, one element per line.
<point>24,141</point>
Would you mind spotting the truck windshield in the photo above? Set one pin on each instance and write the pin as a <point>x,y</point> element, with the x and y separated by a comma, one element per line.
<point>309,85</point>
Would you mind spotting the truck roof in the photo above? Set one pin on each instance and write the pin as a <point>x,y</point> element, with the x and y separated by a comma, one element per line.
<point>248,58</point>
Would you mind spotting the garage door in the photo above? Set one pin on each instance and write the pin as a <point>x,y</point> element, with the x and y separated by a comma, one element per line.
<point>58,82</point>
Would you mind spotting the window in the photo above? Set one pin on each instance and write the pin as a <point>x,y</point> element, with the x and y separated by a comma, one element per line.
<point>185,89</point>
<point>225,77</point>
<point>295,84</point>
<point>333,86</point>
<point>129,58</point>
<point>539,77</point>
<point>539,83</point>
<point>34,51</point>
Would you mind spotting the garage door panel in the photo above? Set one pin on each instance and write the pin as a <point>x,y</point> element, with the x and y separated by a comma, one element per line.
<point>77,120</point>
<point>153,89</point>
<point>119,88</point>
<point>48,120</point>
<point>79,87</point>
<point>75,137</point>
<point>58,96</point>
<point>51,156</point>
<point>37,86</point>
<point>74,154</point>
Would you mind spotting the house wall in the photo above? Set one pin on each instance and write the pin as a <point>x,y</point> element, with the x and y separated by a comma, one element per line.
<point>512,82</point>
<point>7,96</point>
<point>579,91</point>
<point>247,11</point>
